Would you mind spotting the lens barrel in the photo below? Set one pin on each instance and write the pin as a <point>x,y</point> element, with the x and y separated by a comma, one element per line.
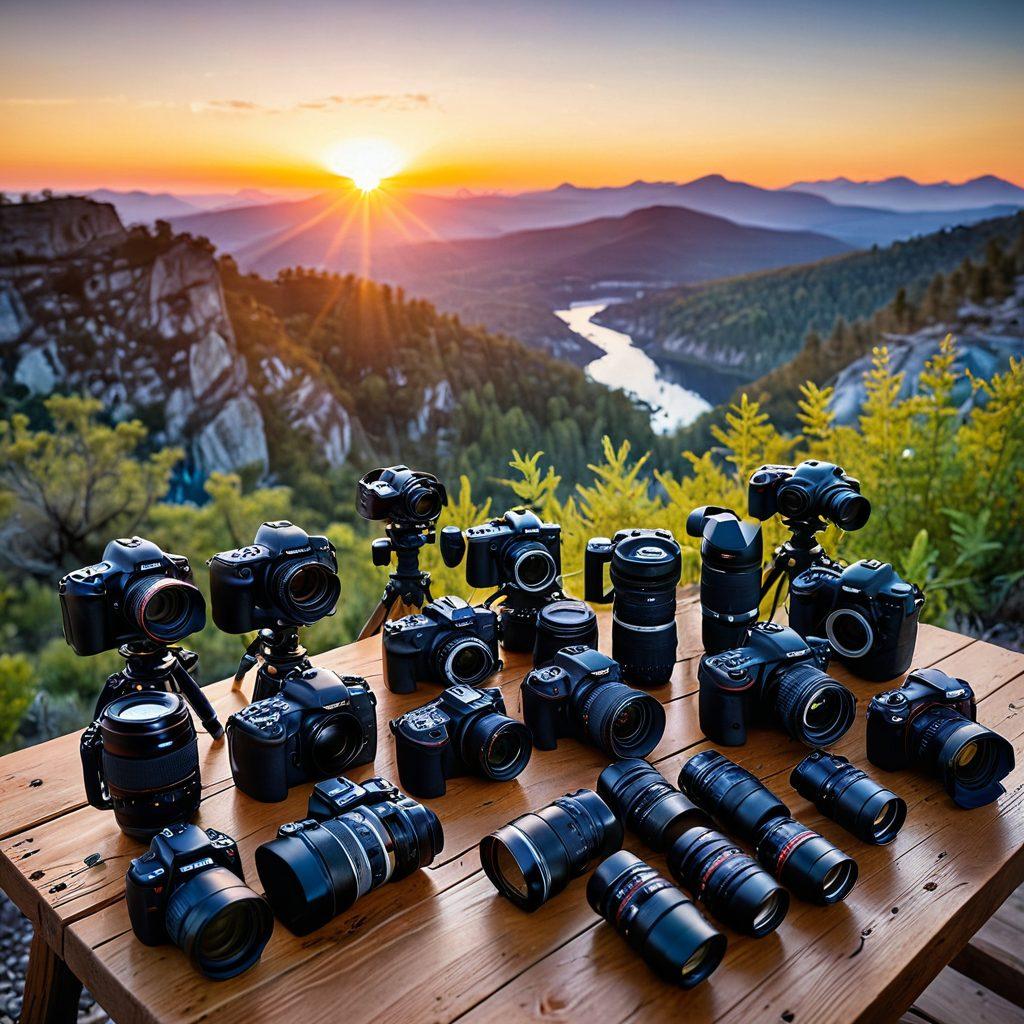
<point>463,659</point>
<point>164,608</point>
<point>644,634</point>
<point>732,796</point>
<point>806,862</point>
<point>656,919</point>
<point>848,796</point>
<point>305,590</point>
<point>149,761</point>
<point>619,720</point>
<point>499,746</point>
<point>563,624</point>
<point>534,857</point>
<point>810,705</point>
<point>729,882</point>
<point>517,627</point>
<point>219,923</point>
<point>647,803</point>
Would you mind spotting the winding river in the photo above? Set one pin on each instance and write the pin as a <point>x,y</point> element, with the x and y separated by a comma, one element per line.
<point>625,366</point>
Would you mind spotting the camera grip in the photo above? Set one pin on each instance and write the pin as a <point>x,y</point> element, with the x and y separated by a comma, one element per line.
<point>722,715</point>
<point>91,750</point>
<point>596,557</point>
<point>539,716</point>
<point>420,772</point>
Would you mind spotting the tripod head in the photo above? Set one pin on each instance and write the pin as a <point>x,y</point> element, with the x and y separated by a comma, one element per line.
<point>407,584</point>
<point>278,653</point>
<point>802,551</point>
<point>153,666</point>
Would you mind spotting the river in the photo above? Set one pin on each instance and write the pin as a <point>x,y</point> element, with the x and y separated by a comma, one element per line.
<point>625,366</point>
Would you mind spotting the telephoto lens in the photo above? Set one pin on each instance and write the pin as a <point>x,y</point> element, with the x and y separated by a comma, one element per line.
<point>731,553</point>
<point>140,758</point>
<point>315,870</point>
<point>656,919</point>
<point>848,796</point>
<point>647,803</point>
<point>563,624</point>
<point>729,882</point>
<point>806,862</point>
<point>534,857</point>
<point>736,800</point>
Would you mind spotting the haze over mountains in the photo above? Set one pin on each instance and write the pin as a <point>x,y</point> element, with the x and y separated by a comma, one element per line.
<point>905,194</point>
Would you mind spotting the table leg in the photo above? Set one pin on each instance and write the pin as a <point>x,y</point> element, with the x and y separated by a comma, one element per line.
<point>51,990</point>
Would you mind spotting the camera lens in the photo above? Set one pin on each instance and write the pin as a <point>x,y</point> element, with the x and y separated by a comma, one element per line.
<point>563,624</point>
<point>647,802</point>
<point>657,920</point>
<point>463,659</point>
<point>219,923</point>
<point>733,797</point>
<point>621,721</point>
<point>149,761</point>
<point>534,857</point>
<point>810,705</point>
<point>848,509</point>
<point>334,742</point>
<point>164,608</point>
<point>314,871</point>
<point>305,591</point>
<point>848,796</point>
<point>423,503</point>
<point>531,566</point>
<point>806,862</point>
<point>731,884</point>
<point>969,759</point>
<point>794,501</point>
<point>849,633</point>
<point>499,745</point>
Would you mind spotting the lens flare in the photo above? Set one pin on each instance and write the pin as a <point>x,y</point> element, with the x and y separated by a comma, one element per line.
<point>366,162</point>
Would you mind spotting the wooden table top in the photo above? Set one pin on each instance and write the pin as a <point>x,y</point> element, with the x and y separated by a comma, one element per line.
<point>442,945</point>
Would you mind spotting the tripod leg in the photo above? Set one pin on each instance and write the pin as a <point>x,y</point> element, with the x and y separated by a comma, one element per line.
<point>771,578</point>
<point>193,693</point>
<point>379,615</point>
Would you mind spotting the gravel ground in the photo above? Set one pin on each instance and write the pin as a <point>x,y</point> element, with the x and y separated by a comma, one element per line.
<point>15,938</point>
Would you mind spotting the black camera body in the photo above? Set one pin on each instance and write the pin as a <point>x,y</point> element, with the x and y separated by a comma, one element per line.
<point>519,549</point>
<point>581,695</point>
<point>176,855</point>
<point>812,490</point>
<point>867,611</point>
<point>400,495</point>
<point>285,576</point>
<point>775,678</point>
<point>317,726</point>
<point>465,731</point>
<point>116,601</point>
<point>448,642</point>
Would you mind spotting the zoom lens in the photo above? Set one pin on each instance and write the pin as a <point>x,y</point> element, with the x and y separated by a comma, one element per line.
<point>306,591</point>
<point>731,884</point>
<point>849,797</point>
<point>805,862</point>
<point>847,509</point>
<point>164,608</point>
<point>534,857</point>
<point>621,721</point>
<point>498,745</point>
<point>149,761</point>
<point>656,919</point>
<point>810,705</point>
<point>734,798</point>
<point>646,802</point>
<point>563,624</point>
<point>970,760</point>
<point>219,923</point>
<point>314,871</point>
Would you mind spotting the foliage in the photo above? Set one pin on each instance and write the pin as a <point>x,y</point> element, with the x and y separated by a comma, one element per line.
<point>17,686</point>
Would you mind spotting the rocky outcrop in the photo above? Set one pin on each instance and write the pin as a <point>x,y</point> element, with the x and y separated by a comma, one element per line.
<point>135,321</point>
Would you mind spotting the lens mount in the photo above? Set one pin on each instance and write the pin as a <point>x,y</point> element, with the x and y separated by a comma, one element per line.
<point>463,658</point>
<point>849,632</point>
<point>532,568</point>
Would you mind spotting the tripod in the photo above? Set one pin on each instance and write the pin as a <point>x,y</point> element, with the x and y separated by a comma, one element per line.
<point>279,654</point>
<point>408,586</point>
<point>792,557</point>
<point>150,666</point>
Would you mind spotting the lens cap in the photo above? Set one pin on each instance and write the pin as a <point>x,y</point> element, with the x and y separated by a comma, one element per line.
<point>644,556</point>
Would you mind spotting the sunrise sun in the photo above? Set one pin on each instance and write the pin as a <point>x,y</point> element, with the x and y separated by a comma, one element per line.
<point>366,162</point>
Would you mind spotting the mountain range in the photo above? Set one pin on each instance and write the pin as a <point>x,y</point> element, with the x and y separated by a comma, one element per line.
<point>138,207</point>
<point>907,195</point>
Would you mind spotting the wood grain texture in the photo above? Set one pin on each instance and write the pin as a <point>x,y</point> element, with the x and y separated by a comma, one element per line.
<point>51,990</point>
<point>442,945</point>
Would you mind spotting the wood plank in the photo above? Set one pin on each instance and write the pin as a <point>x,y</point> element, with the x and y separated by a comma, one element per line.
<point>302,974</point>
<point>953,998</point>
<point>51,990</point>
<point>994,958</point>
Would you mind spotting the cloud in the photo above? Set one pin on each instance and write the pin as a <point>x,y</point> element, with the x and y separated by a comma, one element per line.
<point>376,100</point>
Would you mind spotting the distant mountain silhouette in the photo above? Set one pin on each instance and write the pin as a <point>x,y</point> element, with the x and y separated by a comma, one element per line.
<point>906,195</point>
<point>139,207</point>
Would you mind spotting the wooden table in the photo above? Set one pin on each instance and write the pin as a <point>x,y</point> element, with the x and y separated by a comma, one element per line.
<point>442,946</point>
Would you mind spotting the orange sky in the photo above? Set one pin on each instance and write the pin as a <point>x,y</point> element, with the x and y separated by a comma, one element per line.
<point>513,96</point>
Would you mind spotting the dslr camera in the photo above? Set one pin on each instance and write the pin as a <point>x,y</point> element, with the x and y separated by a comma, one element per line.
<point>463,732</point>
<point>813,490</point>
<point>867,611</point>
<point>930,723</point>
<point>581,695</point>
<point>317,726</point>
<point>138,593</point>
<point>448,642</point>
<point>189,889</point>
<point>284,576</point>
<point>776,677</point>
<point>400,495</point>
